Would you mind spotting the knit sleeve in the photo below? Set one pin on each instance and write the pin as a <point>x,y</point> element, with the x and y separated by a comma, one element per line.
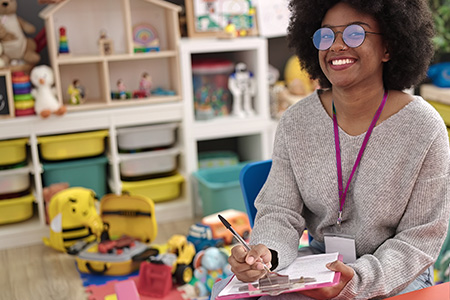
<point>419,235</point>
<point>278,222</point>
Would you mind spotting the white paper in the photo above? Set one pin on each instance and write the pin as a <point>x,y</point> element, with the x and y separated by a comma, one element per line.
<point>306,266</point>
<point>272,17</point>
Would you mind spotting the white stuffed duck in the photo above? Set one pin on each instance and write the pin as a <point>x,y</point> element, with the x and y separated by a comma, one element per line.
<point>46,102</point>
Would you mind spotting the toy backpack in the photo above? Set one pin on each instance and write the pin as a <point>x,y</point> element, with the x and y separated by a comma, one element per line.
<point>73,217</point>
<point>131,215</point>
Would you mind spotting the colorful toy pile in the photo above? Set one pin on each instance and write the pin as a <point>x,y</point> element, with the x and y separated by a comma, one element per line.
<point>23,100</point>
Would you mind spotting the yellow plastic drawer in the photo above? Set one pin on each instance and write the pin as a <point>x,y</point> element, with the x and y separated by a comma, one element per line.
<point>74,145</point>
<point>443,110</point>
<point>16,209</point>
<point>13,151</point>
<point>158,189</point>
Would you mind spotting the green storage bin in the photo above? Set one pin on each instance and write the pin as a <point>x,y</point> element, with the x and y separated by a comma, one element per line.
<point>219,189</point>
<point>215,159</point>
<point>89,173</point>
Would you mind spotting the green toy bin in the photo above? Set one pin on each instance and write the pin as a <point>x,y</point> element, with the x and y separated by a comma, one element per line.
<point>219,189</point>
<point>89,173</point>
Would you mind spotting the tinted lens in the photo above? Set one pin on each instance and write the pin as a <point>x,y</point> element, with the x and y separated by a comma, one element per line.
<point>353,35</point>
<point>323,38</point>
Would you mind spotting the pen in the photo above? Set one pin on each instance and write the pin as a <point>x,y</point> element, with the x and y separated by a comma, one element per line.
<point>239,238</point>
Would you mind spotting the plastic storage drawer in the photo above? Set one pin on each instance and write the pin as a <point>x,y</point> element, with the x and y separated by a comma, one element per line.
<point>219,189</point>
<point>158,189</point>
<point>89,173</point>
<point>144,137</point>
<point>148,163</point>
<point>74,145</point>
<point>16,210</point>
<point>14,180</point>
<point>13,151</point>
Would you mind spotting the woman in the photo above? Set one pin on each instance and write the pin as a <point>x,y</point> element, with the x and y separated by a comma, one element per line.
<point>359,157</point>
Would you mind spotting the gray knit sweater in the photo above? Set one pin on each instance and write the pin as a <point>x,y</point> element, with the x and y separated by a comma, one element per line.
<point>398,202</point>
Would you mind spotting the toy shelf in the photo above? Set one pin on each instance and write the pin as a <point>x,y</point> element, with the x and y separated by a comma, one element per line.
<point>112,40</point>
<point>32,127</point>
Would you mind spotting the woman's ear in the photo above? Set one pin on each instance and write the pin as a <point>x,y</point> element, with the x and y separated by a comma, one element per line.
<point>387,55</point>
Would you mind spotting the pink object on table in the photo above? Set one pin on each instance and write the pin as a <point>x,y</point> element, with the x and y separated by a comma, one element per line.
<point>126,290</point>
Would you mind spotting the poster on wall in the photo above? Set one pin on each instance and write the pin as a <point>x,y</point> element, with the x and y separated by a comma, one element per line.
<point>272,17</point>
<point>214,17</point>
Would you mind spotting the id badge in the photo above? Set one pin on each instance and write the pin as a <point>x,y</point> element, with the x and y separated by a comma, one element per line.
<point>341,243</point>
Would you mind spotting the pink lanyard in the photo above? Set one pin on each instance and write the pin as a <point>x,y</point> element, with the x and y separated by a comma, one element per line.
<point>343,193</point>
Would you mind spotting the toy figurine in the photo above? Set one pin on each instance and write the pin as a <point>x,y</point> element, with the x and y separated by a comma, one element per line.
<point>121,89</point>
<point>76,92</point>
<point>44,93</point>
<point>105,44</point>
<point>242,85</point>
<point>145,84</point>
<point>211,265</point>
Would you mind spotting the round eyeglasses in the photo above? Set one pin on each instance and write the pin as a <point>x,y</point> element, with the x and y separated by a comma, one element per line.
<point>353,36</point>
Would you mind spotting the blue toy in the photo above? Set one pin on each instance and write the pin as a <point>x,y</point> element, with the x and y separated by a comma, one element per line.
<point>201,236</point>
<point>440,74</point>
<point>211,265</point>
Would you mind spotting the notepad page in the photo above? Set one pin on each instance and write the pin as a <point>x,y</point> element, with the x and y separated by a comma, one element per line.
<point>306,266</point>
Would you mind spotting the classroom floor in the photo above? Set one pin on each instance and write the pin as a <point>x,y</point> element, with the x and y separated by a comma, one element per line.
<point>40,273</point>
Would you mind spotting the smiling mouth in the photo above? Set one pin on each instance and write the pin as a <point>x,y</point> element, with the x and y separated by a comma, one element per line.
<point>341,62</point>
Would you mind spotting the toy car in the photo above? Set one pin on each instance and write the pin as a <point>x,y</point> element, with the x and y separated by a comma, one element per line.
<point>238,220</point>
<point>201,236</point>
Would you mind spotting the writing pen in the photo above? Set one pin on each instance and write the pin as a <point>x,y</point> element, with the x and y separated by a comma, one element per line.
<point>239,238</point>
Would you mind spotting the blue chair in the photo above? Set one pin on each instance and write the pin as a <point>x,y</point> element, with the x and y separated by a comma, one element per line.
<point>252,178</point>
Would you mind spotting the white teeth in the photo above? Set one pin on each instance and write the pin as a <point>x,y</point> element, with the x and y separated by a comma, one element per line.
<point>339,62</point>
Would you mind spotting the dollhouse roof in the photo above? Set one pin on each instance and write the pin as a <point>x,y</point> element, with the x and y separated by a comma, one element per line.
<point>52,8</point>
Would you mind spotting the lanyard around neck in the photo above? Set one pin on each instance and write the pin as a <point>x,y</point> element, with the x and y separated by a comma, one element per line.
<point>342,192</point>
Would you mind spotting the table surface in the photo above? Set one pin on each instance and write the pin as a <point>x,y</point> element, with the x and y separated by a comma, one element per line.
<point>436,292</point>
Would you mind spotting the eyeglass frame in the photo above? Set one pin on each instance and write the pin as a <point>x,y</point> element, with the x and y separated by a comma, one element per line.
<point>342,32</point>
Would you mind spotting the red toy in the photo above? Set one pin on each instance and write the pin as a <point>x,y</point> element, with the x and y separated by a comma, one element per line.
<point>116,246</point>
<point>155,279</point>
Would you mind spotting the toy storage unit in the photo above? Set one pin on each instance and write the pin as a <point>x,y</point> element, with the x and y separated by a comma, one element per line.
<point>89,173</point>
<point>212,97</point>
<point>136,138</point>
<point>74,145</point>
<point>219,189</point>
<point>158,189</point>
<point>13,152</point>
<point>16,209</point>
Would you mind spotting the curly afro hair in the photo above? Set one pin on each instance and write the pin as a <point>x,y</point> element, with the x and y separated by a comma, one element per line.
<point>407,26</point>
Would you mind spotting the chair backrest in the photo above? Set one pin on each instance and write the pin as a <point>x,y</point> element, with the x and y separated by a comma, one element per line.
<point>252,178</point>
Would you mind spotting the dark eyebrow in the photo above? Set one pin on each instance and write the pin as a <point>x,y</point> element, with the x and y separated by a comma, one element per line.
<point>352,23</point>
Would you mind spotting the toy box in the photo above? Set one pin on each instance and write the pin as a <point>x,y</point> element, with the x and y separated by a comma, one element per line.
<point>213,159</point>
<point>74,145</point>
<point>212,97</point>
<point>16,209</point>
<point>88,172</point>
<point>14,180</point>
<point>146,137</point>
<point>157,189</point>
<point>219,189</point>
<point>148,163</point>
<point>13,151</point>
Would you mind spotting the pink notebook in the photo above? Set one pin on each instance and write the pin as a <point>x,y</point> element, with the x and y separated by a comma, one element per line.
<point>311,266</point>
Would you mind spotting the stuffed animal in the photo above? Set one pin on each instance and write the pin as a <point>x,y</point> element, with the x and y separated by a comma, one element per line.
<point>17,46</point>
<point>44,93</point>
<point>211,265</point>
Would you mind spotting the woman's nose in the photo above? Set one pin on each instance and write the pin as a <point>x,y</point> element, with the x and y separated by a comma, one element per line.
<point>338,43</point>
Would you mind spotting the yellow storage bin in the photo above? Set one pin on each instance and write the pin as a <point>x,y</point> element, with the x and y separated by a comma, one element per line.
<point>74,145</point>
<point>443,110</point>
<point>16,209</point>
<point>13,151</point>
<point>158,189</point>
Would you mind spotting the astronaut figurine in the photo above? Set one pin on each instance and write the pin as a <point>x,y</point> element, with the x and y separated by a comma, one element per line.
<point>242,85</point>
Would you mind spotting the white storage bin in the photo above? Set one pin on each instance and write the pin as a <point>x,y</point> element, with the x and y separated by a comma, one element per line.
<point>152,136</point>
<point>14,180</point>
<point>148,163</point>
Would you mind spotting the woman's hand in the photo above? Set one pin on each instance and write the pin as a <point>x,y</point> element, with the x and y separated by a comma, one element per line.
<point>248,265</point>
<point>332,291</point>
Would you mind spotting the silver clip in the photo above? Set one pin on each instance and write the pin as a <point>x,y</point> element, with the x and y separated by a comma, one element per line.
<point>339,219</point>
